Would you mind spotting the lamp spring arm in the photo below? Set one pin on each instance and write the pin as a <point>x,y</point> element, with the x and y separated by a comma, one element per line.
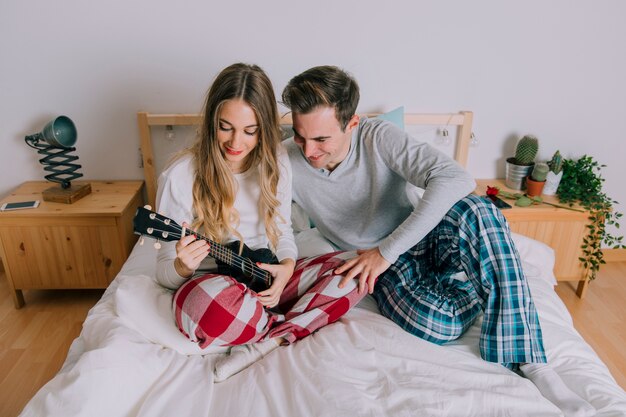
<point>58,161</point>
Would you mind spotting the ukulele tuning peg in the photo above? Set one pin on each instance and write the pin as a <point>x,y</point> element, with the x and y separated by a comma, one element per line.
<point>148,207</point>
<point>152,216</point>
<point>164,234</point>
<point>141,241</point>
<point>149,230</point>
<point>157,245</point>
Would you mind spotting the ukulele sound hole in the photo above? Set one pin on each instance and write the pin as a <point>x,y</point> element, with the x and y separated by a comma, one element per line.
<point>246,267</point>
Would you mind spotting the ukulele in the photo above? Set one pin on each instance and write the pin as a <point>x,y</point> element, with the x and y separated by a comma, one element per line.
<point>229,262</point>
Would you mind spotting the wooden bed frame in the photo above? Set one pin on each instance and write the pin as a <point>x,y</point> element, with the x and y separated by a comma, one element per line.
<point>146,120</point>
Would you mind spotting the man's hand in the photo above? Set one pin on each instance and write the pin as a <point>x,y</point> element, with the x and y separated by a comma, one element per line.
<point>281,274</point>
<point>369,263</point>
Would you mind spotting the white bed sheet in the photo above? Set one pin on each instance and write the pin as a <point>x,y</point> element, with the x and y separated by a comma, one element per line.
<point>131,361</point>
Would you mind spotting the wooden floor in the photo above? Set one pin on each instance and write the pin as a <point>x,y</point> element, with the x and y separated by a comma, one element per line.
<point>601,316</point>
<point>34,340</point>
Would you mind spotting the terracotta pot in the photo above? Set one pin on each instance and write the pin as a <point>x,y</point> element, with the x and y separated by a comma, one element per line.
<point>534,188</point>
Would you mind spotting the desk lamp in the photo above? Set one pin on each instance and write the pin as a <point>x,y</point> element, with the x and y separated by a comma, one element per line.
<point>59,136</point>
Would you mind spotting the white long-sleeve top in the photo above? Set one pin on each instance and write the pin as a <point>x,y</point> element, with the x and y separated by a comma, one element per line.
<point>175,200</point>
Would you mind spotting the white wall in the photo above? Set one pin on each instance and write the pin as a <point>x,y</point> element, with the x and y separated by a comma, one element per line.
<point>555,69</point>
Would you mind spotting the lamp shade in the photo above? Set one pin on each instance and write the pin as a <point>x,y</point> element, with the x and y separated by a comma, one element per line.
<point>58,133</point>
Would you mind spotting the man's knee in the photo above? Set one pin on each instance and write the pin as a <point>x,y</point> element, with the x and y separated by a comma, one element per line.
<point>475,205</point>
<point>475,211</point>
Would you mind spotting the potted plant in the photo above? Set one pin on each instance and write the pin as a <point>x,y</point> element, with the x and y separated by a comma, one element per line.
<point>519,166</point>
<point>537,179</point>
<point>582,184</point>
<point>554,175</point>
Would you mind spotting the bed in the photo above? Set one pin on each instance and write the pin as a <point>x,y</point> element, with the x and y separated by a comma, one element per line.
<point>130,360</point>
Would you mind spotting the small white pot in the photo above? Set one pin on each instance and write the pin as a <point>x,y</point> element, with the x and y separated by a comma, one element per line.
<point>552,183</point>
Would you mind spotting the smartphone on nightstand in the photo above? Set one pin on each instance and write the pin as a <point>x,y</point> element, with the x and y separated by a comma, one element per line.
<point>20,205</point>
<point>501,204</point>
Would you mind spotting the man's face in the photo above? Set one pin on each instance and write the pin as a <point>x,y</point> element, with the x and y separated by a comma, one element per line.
<point>319,135</point>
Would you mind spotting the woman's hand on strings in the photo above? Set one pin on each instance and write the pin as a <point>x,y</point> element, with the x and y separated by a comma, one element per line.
<point>189,254</point>
<point>281,273</point>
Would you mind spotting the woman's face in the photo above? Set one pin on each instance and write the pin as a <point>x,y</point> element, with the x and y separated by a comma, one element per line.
<point>237,133</point>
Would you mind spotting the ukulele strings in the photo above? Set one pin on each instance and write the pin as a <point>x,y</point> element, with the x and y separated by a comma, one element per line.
<point>224,252</point>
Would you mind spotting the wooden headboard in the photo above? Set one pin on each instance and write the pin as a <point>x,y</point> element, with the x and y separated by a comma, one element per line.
<point>146,120</point>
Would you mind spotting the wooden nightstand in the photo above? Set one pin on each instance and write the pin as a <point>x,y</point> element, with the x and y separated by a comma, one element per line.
<point>563,230</point>
<point>79,245</point>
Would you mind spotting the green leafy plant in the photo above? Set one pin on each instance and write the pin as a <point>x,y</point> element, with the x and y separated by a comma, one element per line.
<point>582,183</point>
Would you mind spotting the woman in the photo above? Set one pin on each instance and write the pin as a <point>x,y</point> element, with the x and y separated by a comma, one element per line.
<point>234,183</point>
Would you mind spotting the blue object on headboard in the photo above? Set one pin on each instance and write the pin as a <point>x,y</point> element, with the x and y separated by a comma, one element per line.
<point>395,116</point>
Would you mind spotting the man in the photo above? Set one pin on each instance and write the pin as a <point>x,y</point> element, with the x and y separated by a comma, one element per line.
<point>350,176</point>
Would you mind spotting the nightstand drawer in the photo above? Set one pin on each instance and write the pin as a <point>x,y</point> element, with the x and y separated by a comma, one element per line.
<point>561,229</point>
<point>79,245</point>
<point>57,256</point>
<point>564,236</point>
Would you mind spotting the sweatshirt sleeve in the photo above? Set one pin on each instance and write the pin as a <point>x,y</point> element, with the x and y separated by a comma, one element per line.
<point>286,247</point>
<point>444,182</point>
<point>174,200</point>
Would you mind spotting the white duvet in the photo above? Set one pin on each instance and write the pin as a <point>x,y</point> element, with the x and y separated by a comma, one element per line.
<point>130,360</point>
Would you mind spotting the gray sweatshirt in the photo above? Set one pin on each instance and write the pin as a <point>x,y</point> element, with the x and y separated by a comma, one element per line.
<point>363,202</point>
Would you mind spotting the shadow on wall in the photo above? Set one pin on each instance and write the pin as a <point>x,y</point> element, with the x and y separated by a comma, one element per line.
<point>108,132</point>
<point>506,151</point>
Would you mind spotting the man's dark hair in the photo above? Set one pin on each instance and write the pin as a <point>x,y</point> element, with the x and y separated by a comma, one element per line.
<point>323,86</point>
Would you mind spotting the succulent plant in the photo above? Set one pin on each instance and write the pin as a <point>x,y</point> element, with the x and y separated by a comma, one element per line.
<point>526,150</point>
<point>556,163</point>
<point>540,171</point>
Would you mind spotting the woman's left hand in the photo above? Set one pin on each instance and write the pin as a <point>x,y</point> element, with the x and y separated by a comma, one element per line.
<point>281,273</point>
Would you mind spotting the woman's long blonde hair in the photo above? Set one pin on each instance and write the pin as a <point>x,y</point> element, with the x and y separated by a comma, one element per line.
<point>215,188</point>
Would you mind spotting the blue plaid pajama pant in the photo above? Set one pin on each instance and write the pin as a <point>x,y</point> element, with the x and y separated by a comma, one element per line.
<point>421,293</point>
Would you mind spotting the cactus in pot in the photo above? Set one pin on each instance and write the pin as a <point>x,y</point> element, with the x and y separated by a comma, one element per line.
<point>540,172</point>
<point>526,150</point>
<point>555,174</point>
<point>519,166</point>
<point>556,163</point>
<point>537,179</point>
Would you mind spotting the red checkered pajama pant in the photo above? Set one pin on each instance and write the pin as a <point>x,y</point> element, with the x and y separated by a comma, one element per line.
<point>217,310</point>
